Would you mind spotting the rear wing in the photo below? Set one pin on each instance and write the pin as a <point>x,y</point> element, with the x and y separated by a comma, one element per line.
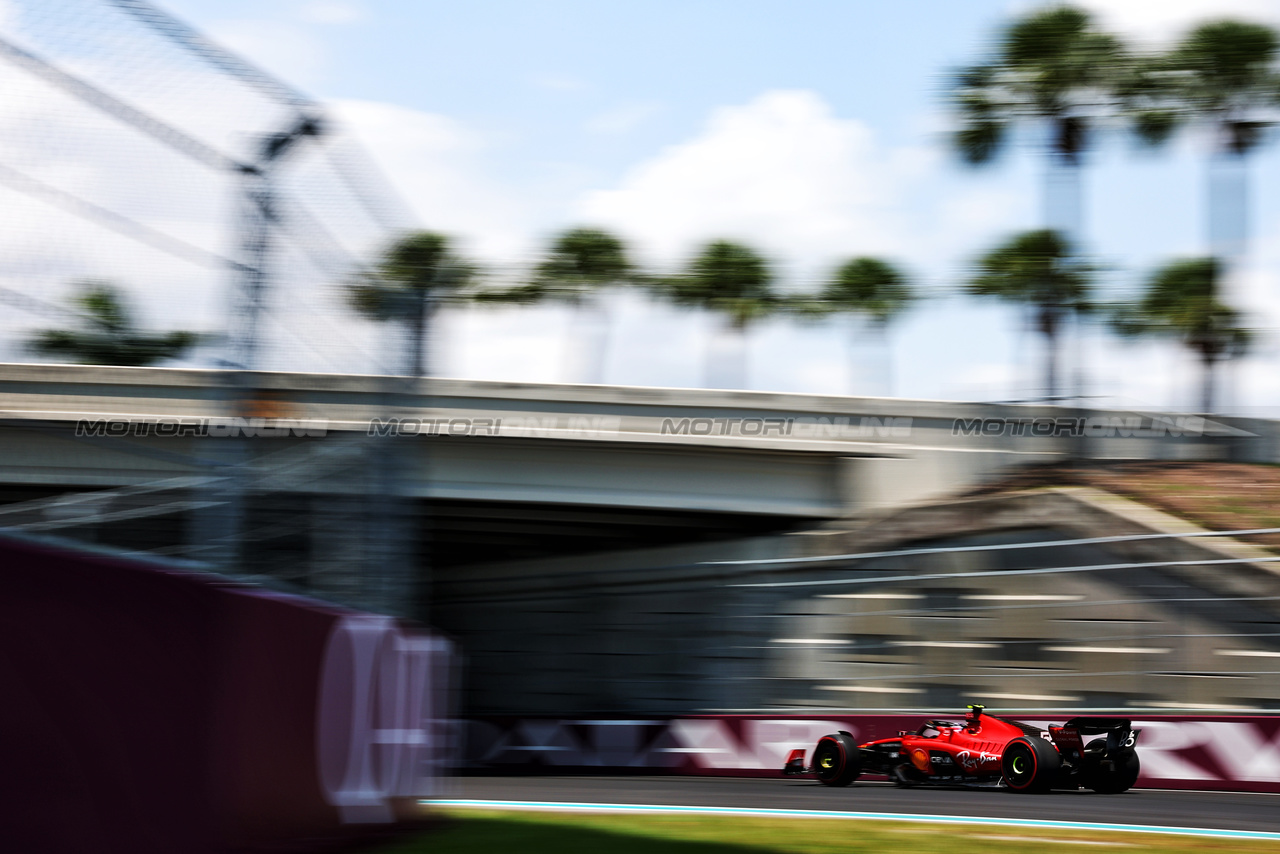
<point>1097,726</point>
<point>1119,732</point>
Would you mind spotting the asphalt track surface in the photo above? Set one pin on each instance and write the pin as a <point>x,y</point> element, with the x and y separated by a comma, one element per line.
<point>1215,810</point>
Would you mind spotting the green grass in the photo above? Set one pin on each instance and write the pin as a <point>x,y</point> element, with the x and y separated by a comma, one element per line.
<point>584,833</point>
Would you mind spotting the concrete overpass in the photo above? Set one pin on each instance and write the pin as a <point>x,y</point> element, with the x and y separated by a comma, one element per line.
<point>520,470</point>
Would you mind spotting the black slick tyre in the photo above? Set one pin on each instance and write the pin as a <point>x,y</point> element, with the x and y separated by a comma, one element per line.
<point>1114,774</point>
<point>1030,765</point>
<point>836,760</point>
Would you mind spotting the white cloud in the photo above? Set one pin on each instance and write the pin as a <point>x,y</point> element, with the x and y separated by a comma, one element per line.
<point>780,171</point>
<point>1162,21</point>
<point>438,165</point>
<point>783,173</point>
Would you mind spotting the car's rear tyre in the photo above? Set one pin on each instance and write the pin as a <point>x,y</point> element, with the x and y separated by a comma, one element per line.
<point>836,760</point>
<point>1114,775</point>
<point>1030,764</point>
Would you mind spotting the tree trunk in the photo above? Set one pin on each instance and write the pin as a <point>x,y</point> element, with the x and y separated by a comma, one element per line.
<point>599,334</point>
<point>1049,317</point>
<point>1207,361</point>
<point>854,387</point>
<point>879,378</point>
<point>882,336</point>
<point>416,366</point>
<point>1051,368</point>
<point>589,344</point>
<point>726,365</point>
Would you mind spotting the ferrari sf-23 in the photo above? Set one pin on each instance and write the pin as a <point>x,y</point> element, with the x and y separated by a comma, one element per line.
<point>985,751</point>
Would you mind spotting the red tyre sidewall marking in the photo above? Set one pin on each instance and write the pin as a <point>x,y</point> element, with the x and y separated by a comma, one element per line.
<point>843,758</point>
<point>1035,765</point>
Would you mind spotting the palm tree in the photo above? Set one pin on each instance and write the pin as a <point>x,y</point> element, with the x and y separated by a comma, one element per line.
<point>866,288</point>
<point>731,280</point>
<point>1223,76</point>
<point>582,259</point>
<point>1182,301</point>
<point>580,262</point>
<point>109,333</point>
<point>1054,69</point>
<point>1038,269</point>
<point>414,275</point>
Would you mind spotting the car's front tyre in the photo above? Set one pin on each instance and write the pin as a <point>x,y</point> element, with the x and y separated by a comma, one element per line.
<point>837,760</point>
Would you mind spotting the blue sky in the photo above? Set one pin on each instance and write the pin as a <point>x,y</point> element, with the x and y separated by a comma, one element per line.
<point>813,130</point>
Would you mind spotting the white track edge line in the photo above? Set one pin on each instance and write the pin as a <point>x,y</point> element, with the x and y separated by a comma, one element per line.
<point>1044,824</point>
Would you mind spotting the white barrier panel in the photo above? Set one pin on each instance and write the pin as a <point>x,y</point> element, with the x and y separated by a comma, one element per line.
<point>382,703</point>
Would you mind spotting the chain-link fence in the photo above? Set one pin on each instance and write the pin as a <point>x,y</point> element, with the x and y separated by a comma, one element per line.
<point>153,182</point>
<point>135,151</point>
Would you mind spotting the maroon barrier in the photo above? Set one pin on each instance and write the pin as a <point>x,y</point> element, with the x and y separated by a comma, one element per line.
<point>149,709</point>
<point>1221,752</point>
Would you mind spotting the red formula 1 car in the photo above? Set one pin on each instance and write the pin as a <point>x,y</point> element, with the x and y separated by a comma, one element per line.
<point>985,751</point>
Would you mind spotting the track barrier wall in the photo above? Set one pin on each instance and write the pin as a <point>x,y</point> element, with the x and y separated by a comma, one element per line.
<point>1216,752</point>
<point>150,709</point>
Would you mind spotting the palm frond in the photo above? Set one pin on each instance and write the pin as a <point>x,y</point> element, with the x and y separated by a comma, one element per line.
<point>1036,268</point>
<point>108,333</point>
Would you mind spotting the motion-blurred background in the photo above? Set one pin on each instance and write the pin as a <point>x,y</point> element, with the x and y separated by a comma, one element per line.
<point>672,357</point>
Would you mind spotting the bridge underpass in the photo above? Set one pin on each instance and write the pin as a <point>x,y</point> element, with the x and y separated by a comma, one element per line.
<point>454,533</point>
<point>1049,599</point>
